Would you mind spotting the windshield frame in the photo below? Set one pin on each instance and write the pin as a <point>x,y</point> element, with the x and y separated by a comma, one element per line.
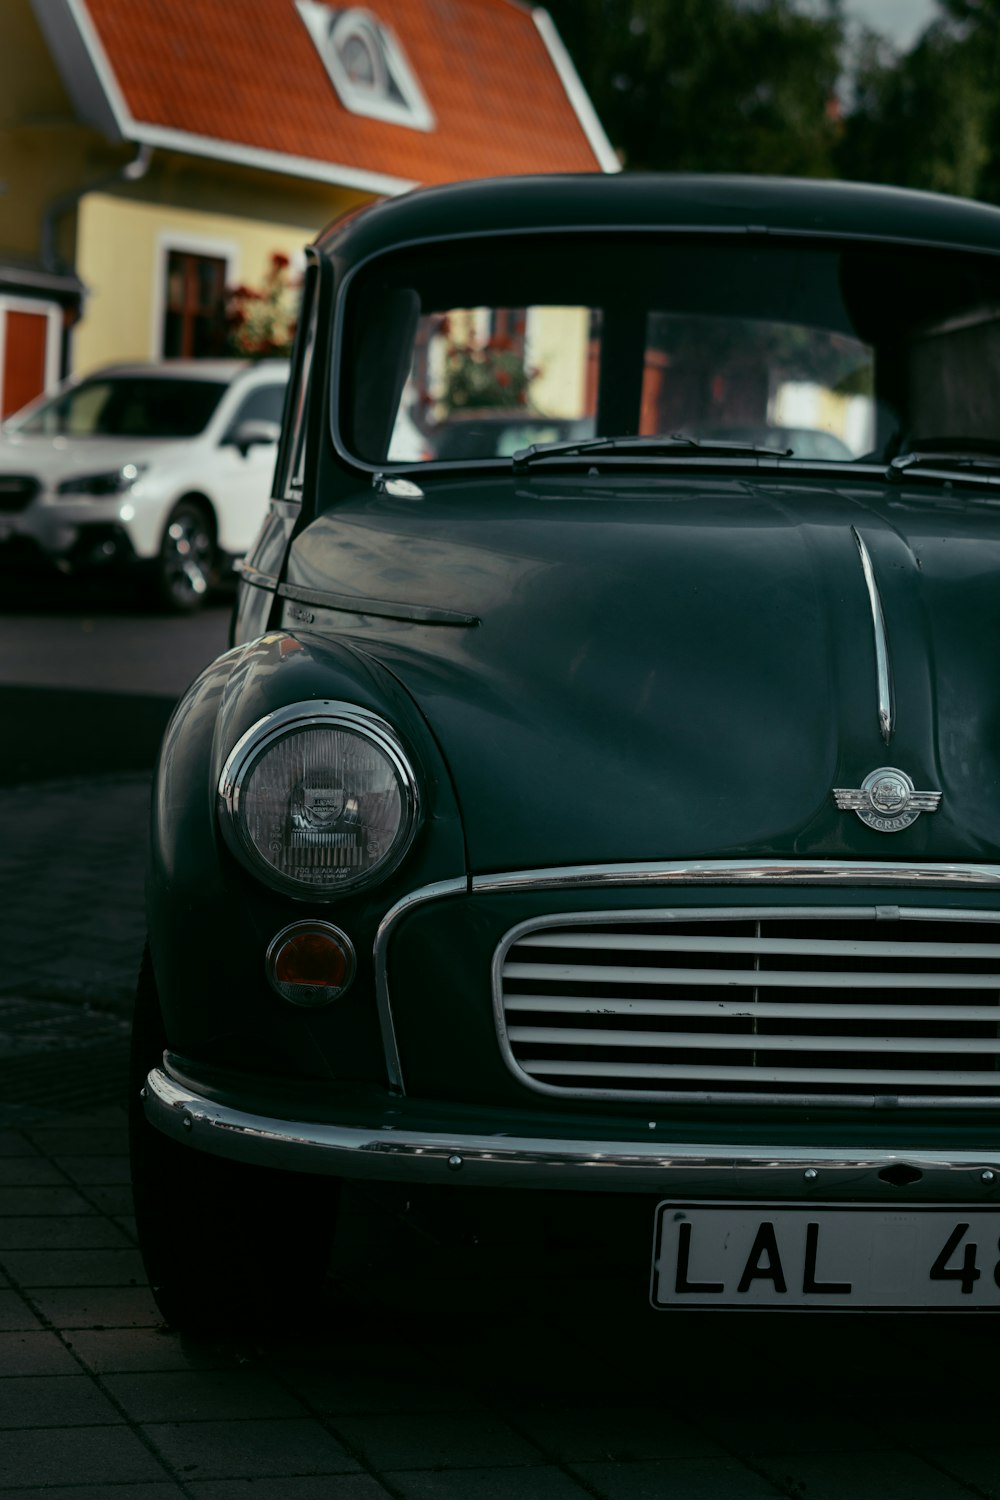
<point>751,237</point>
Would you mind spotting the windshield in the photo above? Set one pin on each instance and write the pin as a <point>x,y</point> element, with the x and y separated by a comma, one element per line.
<point>477,349</point>
<point>126,406</point>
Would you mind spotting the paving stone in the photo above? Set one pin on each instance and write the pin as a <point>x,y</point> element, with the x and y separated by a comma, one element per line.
<point>66,1268</point>
<point>111,1200</point>
<point>198,1395</point>
<point>35,1352</point>
<point>490,1484</point>
<point>18,1201</point>
<point>34,1232</point>
<point>685,1479</point>
<point>593,1434</point>
<point>977,1467</point>
<point>435,1440</point>
<point>152,1349</point>
<point>862,1476</point>
<point>15,1314</point>
<point>54,1401</point>
<point>249,1450</point>
<point>87,1170</point>
<point>329,1487</point>
<point>14,1143</point>
<point>344,1383</point>
<point>110,1491</point>
<point>29,1171</point>
<point>80,1139</point>
<point>98,1307</point>
<point>790,1431</point>
<point>74,1455</point>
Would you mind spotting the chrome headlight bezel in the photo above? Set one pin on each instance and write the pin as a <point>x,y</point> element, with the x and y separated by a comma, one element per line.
<point>262,737</point>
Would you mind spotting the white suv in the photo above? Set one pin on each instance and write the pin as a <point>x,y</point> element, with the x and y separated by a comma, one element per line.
<point>168,466</point>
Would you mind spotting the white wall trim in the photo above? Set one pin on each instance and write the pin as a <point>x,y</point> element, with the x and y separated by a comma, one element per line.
<point>192,244</point>
<point>578,96</point>
<point>269,161</point>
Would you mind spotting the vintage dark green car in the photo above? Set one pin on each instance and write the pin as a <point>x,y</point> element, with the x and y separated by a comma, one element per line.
<point>621,815</point>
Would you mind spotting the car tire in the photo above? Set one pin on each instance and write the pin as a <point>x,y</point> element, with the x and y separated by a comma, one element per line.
<point>227,1246</point>
<point>186,564</point>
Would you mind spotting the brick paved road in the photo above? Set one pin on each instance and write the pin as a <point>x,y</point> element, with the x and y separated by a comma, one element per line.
<point>509,1359</point>
<point>433,1375</point>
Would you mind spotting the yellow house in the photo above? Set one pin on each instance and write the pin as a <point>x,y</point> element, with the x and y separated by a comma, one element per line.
<point>156,153</point>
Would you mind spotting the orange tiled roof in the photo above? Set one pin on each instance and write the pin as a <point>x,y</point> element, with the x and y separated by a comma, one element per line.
<point>246,72</point>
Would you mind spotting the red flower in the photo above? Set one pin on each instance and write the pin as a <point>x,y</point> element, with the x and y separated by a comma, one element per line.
<point>279,261</point>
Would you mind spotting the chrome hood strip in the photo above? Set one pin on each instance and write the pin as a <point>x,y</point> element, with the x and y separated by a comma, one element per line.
<point>883,667</point>
<point>742,872</point>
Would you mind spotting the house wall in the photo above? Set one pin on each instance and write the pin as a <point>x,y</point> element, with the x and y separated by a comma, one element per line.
<point>122,247</point>
<point>44,150</point>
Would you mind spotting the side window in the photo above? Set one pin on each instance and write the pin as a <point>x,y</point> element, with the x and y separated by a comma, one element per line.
<point>292,455</point>
<point>194,315</point>
<point>265,404</point>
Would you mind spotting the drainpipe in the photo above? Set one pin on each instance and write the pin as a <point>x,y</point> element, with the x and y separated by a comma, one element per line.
<point>132,171</point>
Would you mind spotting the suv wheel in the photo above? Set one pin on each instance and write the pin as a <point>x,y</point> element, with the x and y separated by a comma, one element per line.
<point>186,565</point>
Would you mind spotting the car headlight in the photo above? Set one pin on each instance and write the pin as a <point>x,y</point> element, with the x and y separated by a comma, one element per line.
<point>112,482</point>
<point>319,798</point>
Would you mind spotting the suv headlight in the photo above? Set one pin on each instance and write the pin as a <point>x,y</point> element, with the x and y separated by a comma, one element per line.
<point>319,798</point>
<point>113,482</point>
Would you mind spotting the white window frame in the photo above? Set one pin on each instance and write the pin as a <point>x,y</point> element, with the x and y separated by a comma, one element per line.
<point>187,244</point>
<point>327,26</point>
<point>53,335</point>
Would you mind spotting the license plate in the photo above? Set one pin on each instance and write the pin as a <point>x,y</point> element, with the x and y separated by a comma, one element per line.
<point>734,1255</point>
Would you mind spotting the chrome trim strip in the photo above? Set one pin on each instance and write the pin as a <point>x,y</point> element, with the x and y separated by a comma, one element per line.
<point>740,872</point>
<point>394,1152</point>
<point>356,604</point>
<point>443,888</point>
<point>883,667</point>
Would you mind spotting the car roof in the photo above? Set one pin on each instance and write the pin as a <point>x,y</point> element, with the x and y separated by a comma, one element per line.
<point>222,370</point>
<point>676,201</point>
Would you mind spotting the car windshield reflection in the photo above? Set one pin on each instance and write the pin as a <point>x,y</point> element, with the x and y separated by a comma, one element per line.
<point>132,406</point>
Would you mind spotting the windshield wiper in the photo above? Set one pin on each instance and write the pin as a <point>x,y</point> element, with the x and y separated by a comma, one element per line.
<point>655,446</point>
<point>972,461</point>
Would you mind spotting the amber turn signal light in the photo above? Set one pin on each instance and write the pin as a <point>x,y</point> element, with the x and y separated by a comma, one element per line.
<point>310,963</point>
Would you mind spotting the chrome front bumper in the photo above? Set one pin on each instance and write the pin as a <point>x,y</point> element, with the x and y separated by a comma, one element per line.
<point>391,1152</point>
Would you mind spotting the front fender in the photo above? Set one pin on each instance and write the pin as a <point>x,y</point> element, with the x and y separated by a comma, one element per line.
<point>210,920</point>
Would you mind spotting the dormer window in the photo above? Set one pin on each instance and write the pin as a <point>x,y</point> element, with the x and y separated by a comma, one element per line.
<point>366,65</point>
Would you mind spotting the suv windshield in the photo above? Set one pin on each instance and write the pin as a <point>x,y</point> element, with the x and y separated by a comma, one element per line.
<point>126,406</point>
<point>475,350</point>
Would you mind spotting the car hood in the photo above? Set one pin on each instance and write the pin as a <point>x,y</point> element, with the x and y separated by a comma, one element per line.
<point>54,458</point>
<point>669,668</point>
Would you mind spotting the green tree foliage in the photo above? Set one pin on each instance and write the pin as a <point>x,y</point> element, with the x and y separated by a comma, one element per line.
<point>711,85</point>
<point>924,120</point>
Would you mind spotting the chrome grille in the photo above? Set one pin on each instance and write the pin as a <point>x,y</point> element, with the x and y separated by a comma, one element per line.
<point>17,491</point>
<point>882,1004</point>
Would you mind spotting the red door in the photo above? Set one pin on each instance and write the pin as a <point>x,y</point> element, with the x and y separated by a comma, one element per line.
<point>25,350</point>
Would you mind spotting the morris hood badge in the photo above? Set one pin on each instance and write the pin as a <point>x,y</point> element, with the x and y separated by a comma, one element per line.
<point>886,800</point>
